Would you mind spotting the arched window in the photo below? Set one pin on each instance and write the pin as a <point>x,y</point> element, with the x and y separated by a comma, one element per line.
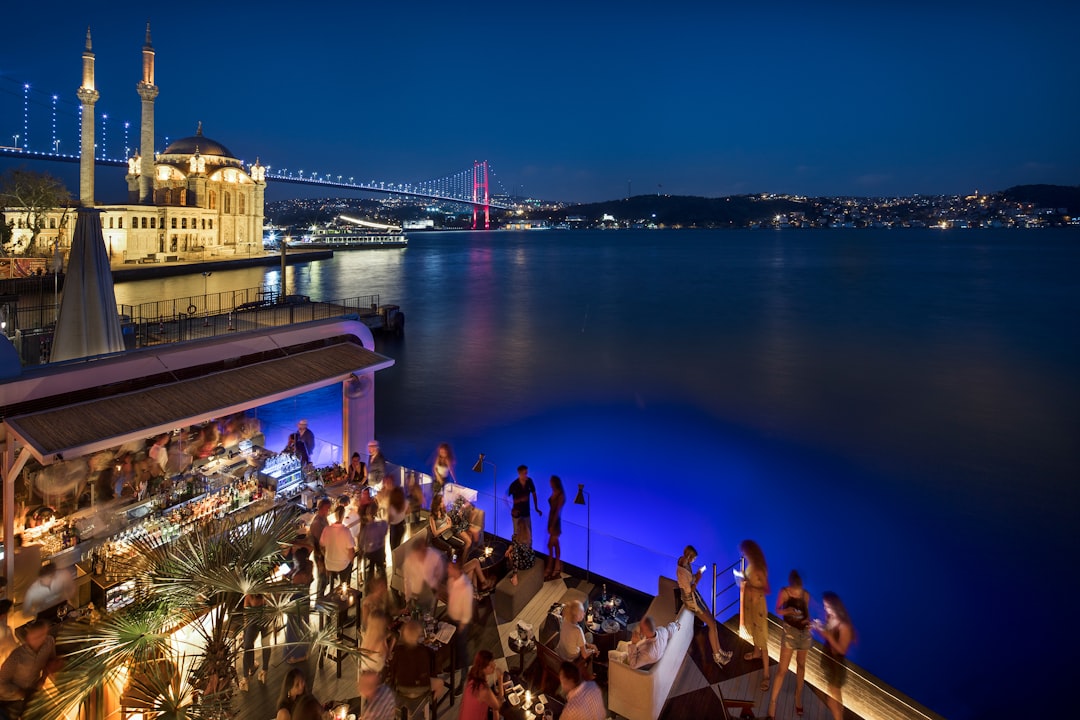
<point>213,200</point>
<point>227,201</point>
<point>168,196</point>
<point>144,222</point>
<point>183,196</point>
<point>174,223</point>
<point>120,223</point>
<point>153,223</point>
<point>183,223</point>
<point>204,223</point>
<point>111,221</point>
<point>211,224</point>
<point>52,223</point>
<point>241,203</point>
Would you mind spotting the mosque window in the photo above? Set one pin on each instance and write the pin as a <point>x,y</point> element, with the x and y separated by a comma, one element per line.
<point>120,223</point>
<point>240,201</point>
<point>144,222</point>
<point>213,200</point>
<point>174,223</point>
<point>183,196</point>
<point>211,224</point>
<point>183,223</point>
<point>226,200</point>
<point>52,223</point>
<point>153,223</point>
<point>204,223</point>
<point>110,223</point>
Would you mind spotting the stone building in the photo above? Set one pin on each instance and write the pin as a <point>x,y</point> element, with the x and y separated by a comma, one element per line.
<point>193,200</point>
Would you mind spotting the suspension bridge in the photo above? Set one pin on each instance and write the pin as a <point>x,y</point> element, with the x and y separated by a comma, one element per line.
<point>42,125</point>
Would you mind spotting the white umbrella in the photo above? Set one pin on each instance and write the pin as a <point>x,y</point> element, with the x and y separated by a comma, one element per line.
<point>88,323</point>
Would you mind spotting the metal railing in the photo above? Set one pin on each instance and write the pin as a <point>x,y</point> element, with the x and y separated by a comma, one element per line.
<point>190,318</point>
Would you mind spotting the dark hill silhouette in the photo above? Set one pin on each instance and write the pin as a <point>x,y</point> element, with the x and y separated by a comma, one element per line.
<point>1047,196</point>
<point>733,211</point>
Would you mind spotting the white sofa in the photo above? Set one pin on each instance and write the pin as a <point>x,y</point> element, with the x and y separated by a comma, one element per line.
<point>641,694</point>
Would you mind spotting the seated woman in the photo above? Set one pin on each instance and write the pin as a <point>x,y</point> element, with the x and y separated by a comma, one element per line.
<point>519,557</point>
<point>441,528</point>
<point>460,512</point>
<point>572,643</point>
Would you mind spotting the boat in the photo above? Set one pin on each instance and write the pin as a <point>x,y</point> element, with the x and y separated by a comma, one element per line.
<point>348,233</point>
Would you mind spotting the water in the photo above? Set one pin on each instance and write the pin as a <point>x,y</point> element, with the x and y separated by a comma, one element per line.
<point>895,413</point>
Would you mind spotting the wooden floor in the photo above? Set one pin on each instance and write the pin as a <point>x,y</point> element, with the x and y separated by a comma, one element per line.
<point>696,692</point>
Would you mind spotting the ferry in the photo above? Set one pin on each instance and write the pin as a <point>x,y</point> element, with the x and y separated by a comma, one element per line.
<point>348,233</point>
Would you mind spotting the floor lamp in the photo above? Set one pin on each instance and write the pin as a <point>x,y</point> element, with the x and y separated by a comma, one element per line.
<point>478,466</point>
<point>583,498</point>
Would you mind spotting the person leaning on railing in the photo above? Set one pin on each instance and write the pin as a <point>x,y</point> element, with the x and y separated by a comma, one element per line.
<point>688,580</point>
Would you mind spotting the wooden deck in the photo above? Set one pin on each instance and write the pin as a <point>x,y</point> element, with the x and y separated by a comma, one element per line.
<point>695,693</point>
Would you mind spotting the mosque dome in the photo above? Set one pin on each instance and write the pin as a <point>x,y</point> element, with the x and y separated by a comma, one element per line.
<point>198,143</point>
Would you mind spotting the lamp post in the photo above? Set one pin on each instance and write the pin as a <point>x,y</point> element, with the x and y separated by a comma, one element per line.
<point>478,466</point>
<point>206,304</point>
<point>584,498</point>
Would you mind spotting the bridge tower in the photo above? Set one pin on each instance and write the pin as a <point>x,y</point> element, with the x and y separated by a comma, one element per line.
<point>88,96</point>
<point>480,185</point>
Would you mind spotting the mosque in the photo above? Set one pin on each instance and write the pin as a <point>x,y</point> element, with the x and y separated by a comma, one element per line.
<point>191,201</point>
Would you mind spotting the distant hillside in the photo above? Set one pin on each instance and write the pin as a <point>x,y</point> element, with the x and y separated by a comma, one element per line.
<point>737,211</point>
<point>1046,196</point>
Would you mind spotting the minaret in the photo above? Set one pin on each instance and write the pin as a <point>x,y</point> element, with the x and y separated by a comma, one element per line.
<point>147,91</point>
<point>88,96</point>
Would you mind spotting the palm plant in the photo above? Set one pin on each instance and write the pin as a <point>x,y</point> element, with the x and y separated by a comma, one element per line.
<point>174,649</point>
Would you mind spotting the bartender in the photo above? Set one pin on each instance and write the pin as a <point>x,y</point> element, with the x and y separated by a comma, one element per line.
<point>50,589</point>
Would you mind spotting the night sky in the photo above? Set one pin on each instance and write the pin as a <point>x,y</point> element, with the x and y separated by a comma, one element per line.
<point>571,101</point>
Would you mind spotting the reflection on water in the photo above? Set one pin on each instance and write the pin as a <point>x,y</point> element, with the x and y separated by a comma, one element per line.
<point>894,413</point>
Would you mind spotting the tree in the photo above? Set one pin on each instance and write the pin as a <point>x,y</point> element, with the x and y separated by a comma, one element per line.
<point>34,195</point>
<point>196,582</point>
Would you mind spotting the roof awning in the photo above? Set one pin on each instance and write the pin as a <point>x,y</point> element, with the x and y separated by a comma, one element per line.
<point>88,427</point>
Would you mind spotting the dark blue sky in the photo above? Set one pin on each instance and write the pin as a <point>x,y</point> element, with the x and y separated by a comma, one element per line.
<point>572,100</point>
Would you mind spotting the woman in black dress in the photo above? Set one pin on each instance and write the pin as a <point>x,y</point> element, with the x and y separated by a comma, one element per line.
<point>836,632</point>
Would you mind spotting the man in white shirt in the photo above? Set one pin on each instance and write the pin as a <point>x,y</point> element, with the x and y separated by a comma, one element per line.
<point>459,608</point>
<point>647,644</point>
<point>422,572</point>
<point>338,549</point>
<point>50,589</point>
<point>584,700</point>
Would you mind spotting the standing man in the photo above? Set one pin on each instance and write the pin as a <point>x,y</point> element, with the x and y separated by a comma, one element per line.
<point>459,608</point>
<point>422,572</point>
<point>304,435</point>
<point>25,669</point>
<point>584,701</point>
<point>380,702</point>
<point>318,524</point>
<point>339,549</point>
<point>376,467</point>
<point>520,490</point>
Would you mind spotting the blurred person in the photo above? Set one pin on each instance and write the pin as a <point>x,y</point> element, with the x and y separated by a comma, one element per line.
<point>519,556</point>
<point>584,701</point>
<point>377,642</point>
<point>296,626</point>
<point>422,571</point>
<point>293,687</point>
<point>753,612</point>
<point>257,622</point>
<point>357,472</point>
<point>25,669</point>
<point>319,523</point>
<point>376,465</point>
<point>572,643</point>
<point>837,634</point>
<point>478,697</point>
<point>7,637</point>
<point>305,437</point>
<point>441,528</point>
<point>553,567</point>
<point>412,667</point>
<point>442,471</point>
<point>461,512</point>
<point>50,589</point>
<point>397,509</point>
<point>339,549</point>
<point>372,542</point>
<point>377,597</point>
<point>297,449</point>
<point>688,580</point>
<point>793,607</point>
<point>308,708</point>
<point>459,609</point>
<point>379,701</point>
<point>520,490</point>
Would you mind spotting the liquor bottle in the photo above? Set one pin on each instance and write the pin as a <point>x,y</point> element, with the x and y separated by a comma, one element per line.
<point>603,596</point>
